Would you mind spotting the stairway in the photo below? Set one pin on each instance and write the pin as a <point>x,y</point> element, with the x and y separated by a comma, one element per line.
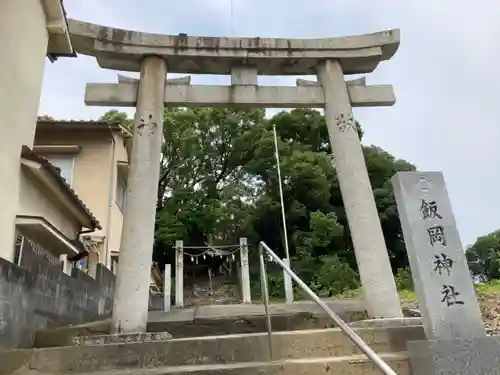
<point>300,352</point>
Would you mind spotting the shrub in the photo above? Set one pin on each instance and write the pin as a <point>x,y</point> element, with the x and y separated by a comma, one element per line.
<point>404,280</point>
<point>334,277</point>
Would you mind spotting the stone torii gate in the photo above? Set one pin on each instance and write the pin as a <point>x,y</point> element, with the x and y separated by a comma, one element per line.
<point>243,58</point>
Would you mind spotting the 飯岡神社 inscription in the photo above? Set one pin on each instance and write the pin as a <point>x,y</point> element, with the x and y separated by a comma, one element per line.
<point>450,296</point>
<point>429,210</point>
<point>442,264</point>
<point>436,235</point>
<point>439,268</point>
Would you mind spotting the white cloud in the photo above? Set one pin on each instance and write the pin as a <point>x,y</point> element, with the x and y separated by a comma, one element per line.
<point>446,117</point>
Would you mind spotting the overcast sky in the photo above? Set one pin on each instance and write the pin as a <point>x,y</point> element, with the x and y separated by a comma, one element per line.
<point>447,113</point>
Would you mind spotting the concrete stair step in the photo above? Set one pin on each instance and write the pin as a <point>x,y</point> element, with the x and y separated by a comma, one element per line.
<point>216,320</point>
<point>216,350</point>
<point>345,365</point>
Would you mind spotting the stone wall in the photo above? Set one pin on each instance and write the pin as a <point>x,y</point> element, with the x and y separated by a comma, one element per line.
<point>39,295</point>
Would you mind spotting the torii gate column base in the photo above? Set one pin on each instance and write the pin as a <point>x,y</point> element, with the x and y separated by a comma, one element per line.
<point>130,306</point>
<point>375,271</point>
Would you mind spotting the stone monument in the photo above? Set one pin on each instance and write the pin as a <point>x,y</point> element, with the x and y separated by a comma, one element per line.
<point>447,299</point>
<point>179,273</point>
<point>244,272</point>
<point>244,59</point>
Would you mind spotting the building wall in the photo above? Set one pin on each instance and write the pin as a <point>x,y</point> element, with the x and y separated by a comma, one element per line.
<point>94,179</point>
<point>39,295</point>
<point>35,201</point>
<point>23,42</point>
<point>116,224</point>
<point>121,151</point>
<point>115,230</point>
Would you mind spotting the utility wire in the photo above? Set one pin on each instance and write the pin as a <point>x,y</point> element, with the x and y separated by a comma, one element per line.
<point>231,10</point>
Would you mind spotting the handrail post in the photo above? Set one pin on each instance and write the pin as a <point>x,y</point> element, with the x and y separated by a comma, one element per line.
<point>265,297</point>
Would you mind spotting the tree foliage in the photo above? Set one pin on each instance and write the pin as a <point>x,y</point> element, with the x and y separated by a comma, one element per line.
<point>218,182</point>
<point>114,116</point>
<point>484,257</point>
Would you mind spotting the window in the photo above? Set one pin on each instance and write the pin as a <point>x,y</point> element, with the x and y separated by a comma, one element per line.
<point>121,192</point>
<point>65,165</point>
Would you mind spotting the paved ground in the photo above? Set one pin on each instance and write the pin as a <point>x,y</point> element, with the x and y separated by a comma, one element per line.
<point>228,311</point>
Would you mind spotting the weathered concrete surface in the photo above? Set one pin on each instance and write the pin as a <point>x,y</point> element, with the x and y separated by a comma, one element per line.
<point>352,82</point>
<point>15,360</point>
<point>229,349</point>
<point>471,356</point>
<point>250,324</point>
<point>124,49</point>
<point>64,336</point>
<point>186,80</point>
<point>179,274</point>
<point>244,267</point>
<point>217,320</point>
<point>443,283</point>
<point>388,323</point>
<point>377,279</point>
<point>39,295</point>
<point>130,304</point>
<point>350,365</point>
<point>121,338</point>
<point>304,96</point>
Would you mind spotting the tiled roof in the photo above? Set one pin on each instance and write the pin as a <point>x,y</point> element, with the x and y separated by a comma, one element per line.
<point>46,121</point>
<point>29,154</point>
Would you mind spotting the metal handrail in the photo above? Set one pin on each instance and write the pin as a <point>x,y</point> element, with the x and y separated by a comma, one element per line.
<point>351,334</point>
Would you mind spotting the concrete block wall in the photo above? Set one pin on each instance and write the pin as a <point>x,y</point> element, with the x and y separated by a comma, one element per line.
<point>39,295</point>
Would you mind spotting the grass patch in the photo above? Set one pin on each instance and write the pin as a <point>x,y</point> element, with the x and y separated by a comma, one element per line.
<point>490,287</point>
<point>350,294</point>
<point>407,295</point>
<point>404,295</point>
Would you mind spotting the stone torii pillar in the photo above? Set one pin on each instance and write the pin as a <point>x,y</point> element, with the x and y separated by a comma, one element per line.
<point>130,307</point>
<point>379,287</point>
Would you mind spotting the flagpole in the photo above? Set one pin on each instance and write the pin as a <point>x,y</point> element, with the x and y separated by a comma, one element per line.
<point>287,278</point>
<point>287,253</point>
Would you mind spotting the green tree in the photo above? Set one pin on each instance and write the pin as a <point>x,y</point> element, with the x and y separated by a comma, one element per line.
<point>218,182</point>
<point>117,117</point>
<point>484,257</point>
<point>204,188</point>
<point>311,184</point>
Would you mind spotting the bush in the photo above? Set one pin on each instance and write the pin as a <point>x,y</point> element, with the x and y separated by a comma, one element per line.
<point>327,276</point>
<point>275,282</point>
<point>334,277</point>
<point>404,280</point>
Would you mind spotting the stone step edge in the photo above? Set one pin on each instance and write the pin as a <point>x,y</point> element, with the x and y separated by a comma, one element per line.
<point>328,361</point>
<point>121,338</point>
<point>299,332</point>
<point>387,323</point>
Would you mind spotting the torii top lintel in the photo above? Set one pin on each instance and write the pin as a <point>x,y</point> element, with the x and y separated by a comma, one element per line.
<point>124,49</point>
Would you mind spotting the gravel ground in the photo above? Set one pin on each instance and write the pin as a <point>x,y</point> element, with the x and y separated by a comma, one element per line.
<point>490,309</point>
